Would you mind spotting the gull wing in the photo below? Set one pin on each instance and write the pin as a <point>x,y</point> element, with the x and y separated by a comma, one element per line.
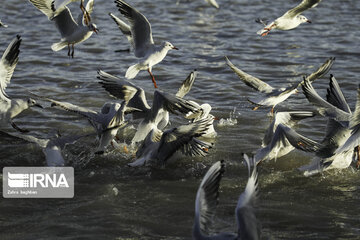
<point>207,198</point>
<point>121,89</point>
<point>245,212</point>
<point>322,70</point>
<point>65,23</point>
<point>335,96</point>
<point>171,103</point>
<point>187,84</point>
<point>47,7</point>
<point>249,80</point>
<point>89,8</point>
<point>286,118</point>
<point>7,65</point>
<point>213,3</point>
<point>29,138</point>
<point>324,107</point>
<point>140,28</point>
<point>303,6</point>
<point>174,139</point>
<point>354,139</point>
<point>124,27</point>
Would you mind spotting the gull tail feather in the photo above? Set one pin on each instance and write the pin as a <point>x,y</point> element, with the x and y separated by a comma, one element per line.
<point>58,46</point>
<point>132,71</point>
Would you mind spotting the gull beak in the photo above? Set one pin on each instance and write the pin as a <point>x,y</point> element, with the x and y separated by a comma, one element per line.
<point>38,105</point>
<point>309,21</point>
<point>96,30</point>
<point>175,48</point>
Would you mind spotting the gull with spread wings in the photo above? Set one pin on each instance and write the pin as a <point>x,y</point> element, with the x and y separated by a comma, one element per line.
<point>72,32</point>
<point>139,34</point>
<point>273,96</point>
<point>291,19</point>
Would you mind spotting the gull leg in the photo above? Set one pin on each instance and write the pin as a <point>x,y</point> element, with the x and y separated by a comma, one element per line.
<point>255,108</point>
<point>19,129</point>
<point>152,78</point>
<point>69,50</point>
<point>72,53</point>
<point>268,30</point>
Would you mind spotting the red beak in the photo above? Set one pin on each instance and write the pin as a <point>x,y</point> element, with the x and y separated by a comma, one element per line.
<point>175,48</point>
<point>309,21</point>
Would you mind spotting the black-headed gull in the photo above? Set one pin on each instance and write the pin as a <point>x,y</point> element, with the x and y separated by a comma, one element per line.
<point>10,108</point>
<point>156,116</point>
<point>159,146</point>
<point>207,201</point>
<point>3,25</point>
<point>273,96</point>
<point>291,19</point>
<point>142,42</point>
<point>72,32</point>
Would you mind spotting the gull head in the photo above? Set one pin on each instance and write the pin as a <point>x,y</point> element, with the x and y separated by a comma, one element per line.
<point>93,27</point>
<point>32,103</point>
<point>169,46</point>
<point>303,19</point>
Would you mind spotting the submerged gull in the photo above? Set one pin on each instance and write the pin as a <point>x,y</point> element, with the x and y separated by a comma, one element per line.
<point>10,108</point>
<point>291,19</point>
<point>159,146</point>
<point>157,116</point>
<point>207,201</point>
<point>142,41</point>
<point>273,96</point>
<point>72,32</point>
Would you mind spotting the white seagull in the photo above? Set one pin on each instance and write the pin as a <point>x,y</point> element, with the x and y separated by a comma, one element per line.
<point>273,96</point>
<point>72,32</point>
<point>156,116</point>
<point>291,19</point>
<point>10,108</point>
<point>107,122</point>
<point>275,144</point>
<point>142,41</point>
<point>207,201</point>
<point>159,146</point>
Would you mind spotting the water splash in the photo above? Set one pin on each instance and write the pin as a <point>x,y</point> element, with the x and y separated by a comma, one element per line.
<point>231,121</point>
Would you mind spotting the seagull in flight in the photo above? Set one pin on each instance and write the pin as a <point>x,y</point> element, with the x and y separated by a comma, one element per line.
<point>10,108</point>
<point>207,201</point>
<point>71,31</point>
<point>291,19</point>
<point>273,96</point>
<point>140,37</point>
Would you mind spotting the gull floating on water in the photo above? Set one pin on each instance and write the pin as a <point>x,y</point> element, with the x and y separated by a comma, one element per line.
<point>291,19</point>
<point>10,108</point>
<point>3,25</point>
<point>207,201</point>
<point>159,146</point>
<point>157,116</point>
<point>275,96</point>
<point>142,41</point>
<point>72,32</point>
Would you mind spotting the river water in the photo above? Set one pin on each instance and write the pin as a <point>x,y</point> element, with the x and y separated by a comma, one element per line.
<point>113,201</point>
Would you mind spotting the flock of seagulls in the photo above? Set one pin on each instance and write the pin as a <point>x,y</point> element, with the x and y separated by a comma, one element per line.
<point>156,144</point>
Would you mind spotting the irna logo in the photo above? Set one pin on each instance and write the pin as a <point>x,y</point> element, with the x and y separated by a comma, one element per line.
<point>34,180</point>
